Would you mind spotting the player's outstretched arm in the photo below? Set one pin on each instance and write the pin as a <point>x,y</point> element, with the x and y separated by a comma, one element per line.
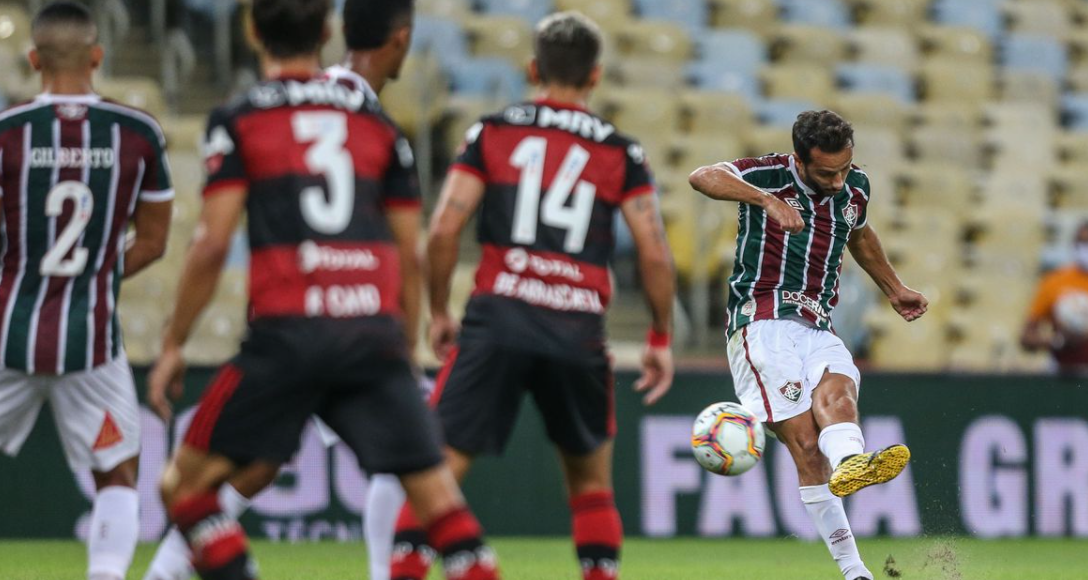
<point>404,223</point>
<point>151,222</point>
<point>720,183</point>
<point>866,249</point>
<point>199,277</point>
<point>460,197</point>
<point>659,283</point>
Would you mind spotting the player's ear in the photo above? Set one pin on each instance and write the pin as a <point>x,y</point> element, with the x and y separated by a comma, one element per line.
<point>402,38</point>
<point>534,72</point>
<point>97,54</point>
<point>594,77</point>
<point>35,60</point>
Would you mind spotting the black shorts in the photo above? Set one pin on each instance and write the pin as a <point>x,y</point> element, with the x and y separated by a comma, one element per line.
<point>479,392</point>
<point>353,374</point>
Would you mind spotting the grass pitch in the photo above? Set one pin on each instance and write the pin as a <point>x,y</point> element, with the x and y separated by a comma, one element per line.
<point>679,559</point>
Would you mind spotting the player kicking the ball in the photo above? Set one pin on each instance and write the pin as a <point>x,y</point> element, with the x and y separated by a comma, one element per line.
<point>547,178</point>
<point>798,215</point>
<point>75,171</point>
<point>325,181</point>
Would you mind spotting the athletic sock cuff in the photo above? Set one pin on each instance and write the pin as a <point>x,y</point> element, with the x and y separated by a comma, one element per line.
<point>191,510</point>
<point>594,500</point>
<point>454,527</point>
<point>816,493</point>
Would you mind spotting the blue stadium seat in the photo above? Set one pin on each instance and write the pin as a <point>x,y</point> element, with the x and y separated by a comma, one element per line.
<point>982,15</point>
<point>708,75</point>
<point>691,14</point>
<point>825,13</point>
<point>444,39</point>
<point>532,11</point>
<point>875,78</point>
<point>731,50</point>
<point>1035,52</point>
<point>782,112</point>
<point>1075,111</point>
<point>488,77</point>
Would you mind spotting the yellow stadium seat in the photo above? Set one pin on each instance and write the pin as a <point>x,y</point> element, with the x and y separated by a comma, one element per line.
<point>950,114</point>
<point>873,110</point>
<point>648,72</point>
<point>764,139</point>
<point>759,16</point>
<point>1042,17</point>
<point>141,327</point>
<point>418,98</point>
<point>932,143</point>
<point>1073,148</point>
<point>507,37</point>
<point>1028,86</point>
<point>949,80</point>
<point>962,44</point>
<point>646,114</point>
<point>142,93</point>
<point>332,52</point>
<point>900,13</point>
<point>715,113</point>
<point>879,148</point>
<point>918,346</point>
<point>1025,146</point>
<point>937,186</point>
<point>800,82</point>
<point>886,45</point>
<point>653,39</point>
<point>608,14</point>
<point>461,114</point>
<point>14,28</point>
<point>458,10</point>
<point>691,152</point>
<point>1069,186</point>
<point>184,132</point>
<point>814,45</point>
<point>1077,78</point>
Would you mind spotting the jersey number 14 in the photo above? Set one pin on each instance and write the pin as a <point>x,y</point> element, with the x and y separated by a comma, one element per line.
<point>529,156</point>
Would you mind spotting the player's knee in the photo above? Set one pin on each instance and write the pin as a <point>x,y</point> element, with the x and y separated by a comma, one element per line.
<point>168,484</point>
<point>254,477</point>
<point>123,475</point>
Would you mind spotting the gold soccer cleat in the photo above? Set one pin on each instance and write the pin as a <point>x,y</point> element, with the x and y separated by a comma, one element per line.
<point>866,469</point>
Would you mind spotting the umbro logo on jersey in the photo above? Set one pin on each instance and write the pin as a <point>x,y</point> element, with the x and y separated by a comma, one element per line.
<point>795,203</point>
<point>791,391</point>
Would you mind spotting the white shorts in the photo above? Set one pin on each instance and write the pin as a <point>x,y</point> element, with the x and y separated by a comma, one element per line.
<point>96,413</point>
<point>776,365</point>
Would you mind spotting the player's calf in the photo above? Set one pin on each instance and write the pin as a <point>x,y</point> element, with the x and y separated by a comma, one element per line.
<point>220,550</point>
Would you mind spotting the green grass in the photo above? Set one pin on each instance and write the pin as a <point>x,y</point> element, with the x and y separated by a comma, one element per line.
<point>683,559</point>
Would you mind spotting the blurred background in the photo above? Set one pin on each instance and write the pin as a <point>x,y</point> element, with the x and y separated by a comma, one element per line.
<point>971,121</point>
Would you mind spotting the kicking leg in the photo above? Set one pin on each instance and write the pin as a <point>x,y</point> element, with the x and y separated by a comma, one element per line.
<point>115,522</point>
<point>173,559</point>
<point>800,434</point>
<point>595,522</point>
<point>835,408</point>
<point>384,500</point>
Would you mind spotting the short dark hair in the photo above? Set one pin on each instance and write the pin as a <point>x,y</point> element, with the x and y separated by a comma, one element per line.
<point>567,46</point>
<point>63,31</point>
<point>368,24</point>
<point>823,129</point>
<point>62,12</point>
<point>289,28</point>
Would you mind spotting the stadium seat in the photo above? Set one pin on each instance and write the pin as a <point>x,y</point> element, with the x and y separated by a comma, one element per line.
<point>708,76</point>
<point>418,97</point>
<point>531,11</point>
<point>1029,86</point>
<point>1045,18</point>
<point>731,50</point>
<point>873,109</point>
<point>692,15</point>
<point>937,186</point>
<point>1075,111</point>
<point>876,78</point>
<point>185,132</point>
<point>1005,192</point>
<point>951,114</point>
<point>897,13</point>
<point>691,152</point>
<point>1073,148</point>
<point>982,15</point>
<point>141,93</point>
<point>767,139</point>
<point>646,38</point>
<point>1036,53</point>
<point>885,45</point>
<point>956,43</point>
<point>1069,188</point>
<point>712,113</point>
<point>439,38</point>
<point>609,14</point>
<point>932,143</point>
<point>463,112</point>
<point>507,37</point>
<point>643,113</point>
<point>456,10</point>
<point>783,112</point>
<point>648,72</point>
<point>808,44</point>
<point>759,16</point>
<point>879,148</point>
<point>918,346</point>
<point>14,28</point>
<point>944,80</point>
<point>488,76</point>
<point>823,13</point>
<point>799,82</point>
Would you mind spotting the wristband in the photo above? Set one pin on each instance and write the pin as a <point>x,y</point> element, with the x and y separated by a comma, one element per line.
<point>658,339</point>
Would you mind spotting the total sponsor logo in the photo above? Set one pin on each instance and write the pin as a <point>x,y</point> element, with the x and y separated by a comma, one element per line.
<point>555,296</point>
<point>518,261</point>
<point>313,257</point>
<point>806,302</point>
<point>343,301</point>
<point>94,158</point>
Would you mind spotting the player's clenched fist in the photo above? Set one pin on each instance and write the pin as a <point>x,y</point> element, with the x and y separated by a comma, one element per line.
<point>783,214</point>
<point>910,304</point>
<point>443,335</point>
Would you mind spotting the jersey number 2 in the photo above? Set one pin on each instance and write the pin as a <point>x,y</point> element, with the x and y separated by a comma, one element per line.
<point>55,262</point>
<point>529,157</point>
<point>329,132</point>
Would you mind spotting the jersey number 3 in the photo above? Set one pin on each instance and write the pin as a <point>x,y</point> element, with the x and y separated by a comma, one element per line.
<point>329,132</point>
<point>56,261</point>
<point>529,156</point>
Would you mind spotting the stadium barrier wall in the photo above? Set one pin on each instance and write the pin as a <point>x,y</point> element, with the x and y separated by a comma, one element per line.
<point>993,456</point>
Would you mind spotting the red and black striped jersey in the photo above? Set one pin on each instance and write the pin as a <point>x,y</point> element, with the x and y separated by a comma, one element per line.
<point>72,169</point>
<point>321,164</point>
<point>555,176</point>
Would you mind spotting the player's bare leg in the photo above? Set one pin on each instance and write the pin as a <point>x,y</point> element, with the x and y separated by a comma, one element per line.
<point>115,523</point>
<point>835,407</point>
<point>173,558</point>
<point>190,486</point>
<point>595,522</point>
<point>800,435</point>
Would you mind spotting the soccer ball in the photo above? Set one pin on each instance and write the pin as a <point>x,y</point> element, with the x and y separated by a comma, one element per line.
<point>1071,314</point>
<point>727,439</point>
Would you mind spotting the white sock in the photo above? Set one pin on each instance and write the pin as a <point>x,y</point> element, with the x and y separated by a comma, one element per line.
<point>115,527</point>
<point>172,560</point>
<point>829,516</point>
<point>841,440</point>
<point>384,498</point>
